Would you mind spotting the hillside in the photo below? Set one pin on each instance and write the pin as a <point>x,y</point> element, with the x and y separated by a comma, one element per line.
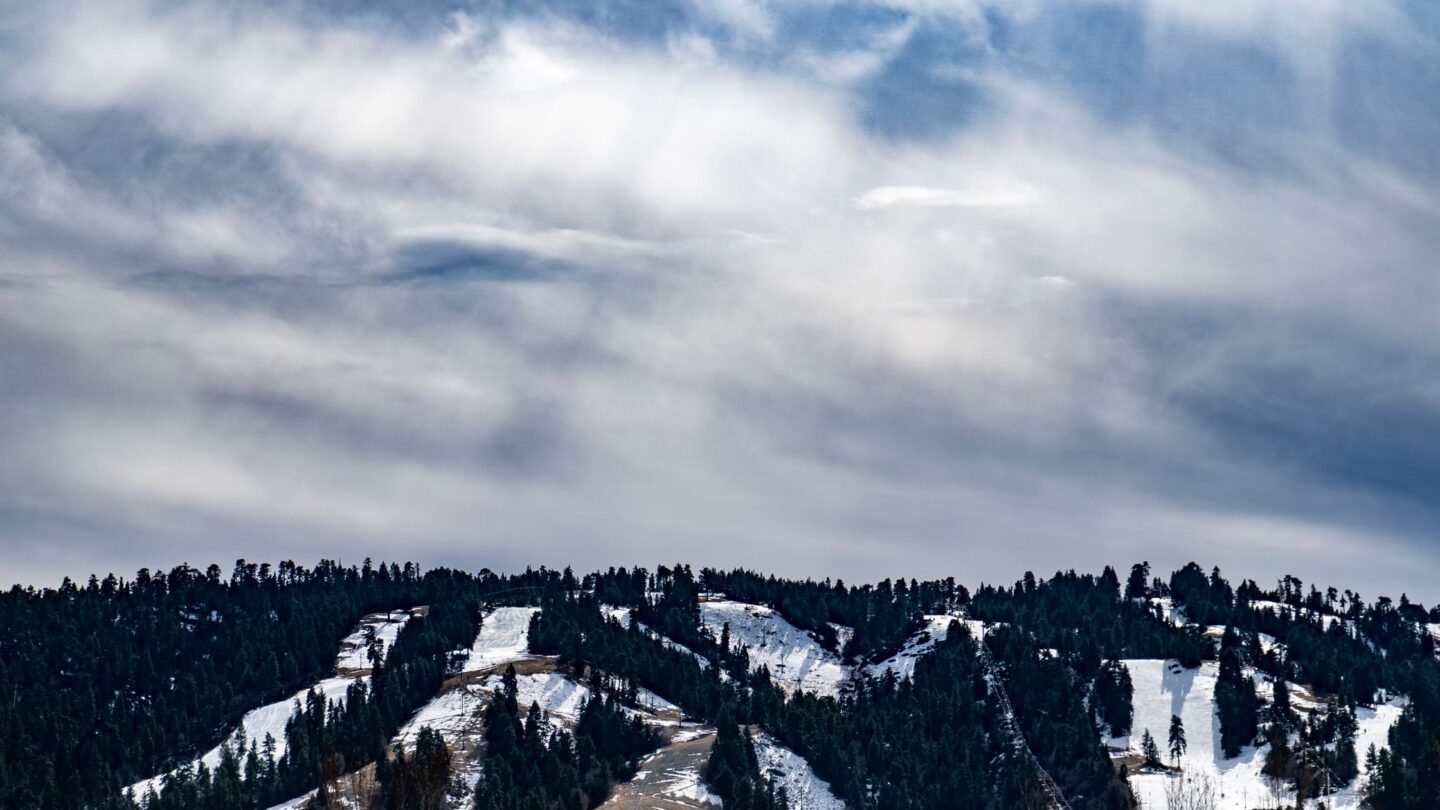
<point>633,689</point>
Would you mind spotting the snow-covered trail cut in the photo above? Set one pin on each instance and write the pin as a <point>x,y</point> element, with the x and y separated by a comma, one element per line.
<point>796,660</point>
<point>504,638</point>
<point>271,718</point>
<point>787,769</point>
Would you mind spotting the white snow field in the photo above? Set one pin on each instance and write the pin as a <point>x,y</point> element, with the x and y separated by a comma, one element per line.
<point>504,638</point>
<point>796,660</point>
<point>271,718</point>
<point>1163,688</point>
<point>789,770</point>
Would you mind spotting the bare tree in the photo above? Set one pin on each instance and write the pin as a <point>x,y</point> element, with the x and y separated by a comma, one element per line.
<point>1191,791</point>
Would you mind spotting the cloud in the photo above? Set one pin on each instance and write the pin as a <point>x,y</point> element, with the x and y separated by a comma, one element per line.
<point>893,196</point>
<point>520,289</point>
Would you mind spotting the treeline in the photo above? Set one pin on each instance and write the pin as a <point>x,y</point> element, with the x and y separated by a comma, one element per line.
<point>116,680</point>
<point>1083,618</point>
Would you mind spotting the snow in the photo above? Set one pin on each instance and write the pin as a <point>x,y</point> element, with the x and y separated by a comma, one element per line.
<point>560,696</point>
<point>686,784</point>
<point>453,713</point>
<point>789,770</point>
<point>624,615</point>
<point>796,660</point>
<point>1267,641</point>
<point>1374,730</point>
<point>1163,688</point>
<point>1172,614</point>
<point>355,654</point>
<point>902,663</point>
<point>504,638</point>
<point>293,804</point>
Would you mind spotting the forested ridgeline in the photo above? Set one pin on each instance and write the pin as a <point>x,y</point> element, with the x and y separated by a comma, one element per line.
<point>118,680</point>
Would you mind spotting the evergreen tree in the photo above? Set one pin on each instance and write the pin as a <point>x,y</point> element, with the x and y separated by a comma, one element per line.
<point>1177,738</point>
<point>1149,749</point>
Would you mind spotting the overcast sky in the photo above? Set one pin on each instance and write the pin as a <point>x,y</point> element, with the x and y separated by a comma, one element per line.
<point>858,289</point>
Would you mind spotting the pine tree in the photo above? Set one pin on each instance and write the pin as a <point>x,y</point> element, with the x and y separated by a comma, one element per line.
<point>1177,738</point>
<point>1149,749</point>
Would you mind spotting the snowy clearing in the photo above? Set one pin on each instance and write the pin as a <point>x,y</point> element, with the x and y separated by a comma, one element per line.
<point>790,771</point>
<point>504,638</point>
<point>796,660</point>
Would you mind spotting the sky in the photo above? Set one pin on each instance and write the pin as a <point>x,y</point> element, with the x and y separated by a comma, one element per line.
<point>847,288</point>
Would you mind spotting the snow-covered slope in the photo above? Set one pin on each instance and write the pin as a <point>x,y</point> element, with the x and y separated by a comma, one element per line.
<point>1163,688</point>
<point>789,770</point>
<point>504,638</point>
<point>271,718</point>
<point>796,660</point>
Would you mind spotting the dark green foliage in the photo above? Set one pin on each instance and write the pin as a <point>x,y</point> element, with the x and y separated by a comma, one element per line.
<point>1083,617</point>
<point>733,770</point>
<point>530,766</point>
<point>1137,585</point>
<point>1149,749</point>
<point>1406,775</point>
<point>1112,696</point>
<point>328,739</point>
<point>1235,700</point>
<point>119,680</point>
<point>419,780</point>
<point>933,741</point>
<point>1207,599</point>
<point>1176,738</point>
